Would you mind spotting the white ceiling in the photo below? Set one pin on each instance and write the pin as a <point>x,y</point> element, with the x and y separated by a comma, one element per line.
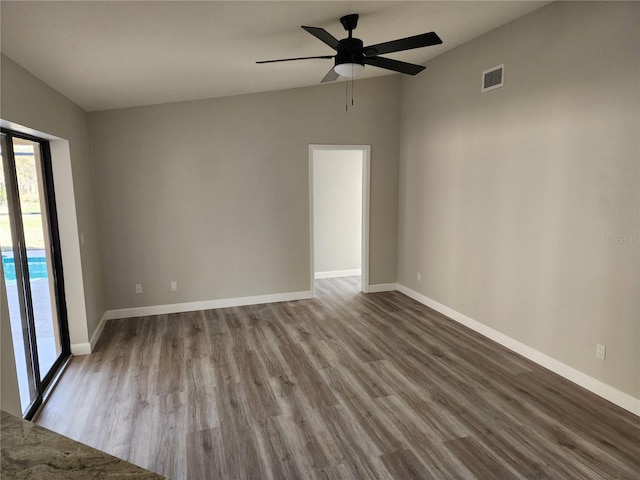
<point>112,54</point>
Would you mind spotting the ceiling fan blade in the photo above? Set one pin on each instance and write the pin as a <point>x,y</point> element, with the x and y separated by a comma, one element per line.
<point>417,41</point>
<point>331,76</point>
<point>395,65</point>
<point>298,58</point>
<point>324,36</point>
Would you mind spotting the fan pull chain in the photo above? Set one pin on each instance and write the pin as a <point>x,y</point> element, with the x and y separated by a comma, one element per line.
<point>352,84</point>
<point>346,91</point>
<point>346,95</point>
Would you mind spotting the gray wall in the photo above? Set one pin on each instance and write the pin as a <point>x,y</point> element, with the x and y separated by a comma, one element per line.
<point>214,194</point>
<point>27,101</point>
<point>337,210</point>
<point>520,206</point>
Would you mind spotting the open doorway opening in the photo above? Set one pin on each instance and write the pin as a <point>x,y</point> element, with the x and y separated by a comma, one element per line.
<point>339,212</point>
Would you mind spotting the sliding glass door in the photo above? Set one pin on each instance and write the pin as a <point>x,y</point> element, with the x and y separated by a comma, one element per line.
<point>32,265</point>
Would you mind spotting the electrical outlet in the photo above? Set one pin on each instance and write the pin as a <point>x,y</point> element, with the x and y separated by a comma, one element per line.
<point>419,276</point>
<point>138,288</point>
<point>174,286</point>
<point>601,351</point>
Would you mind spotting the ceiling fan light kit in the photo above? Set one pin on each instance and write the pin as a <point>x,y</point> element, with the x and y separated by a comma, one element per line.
<point>349,70</point>
<point>352,56</point>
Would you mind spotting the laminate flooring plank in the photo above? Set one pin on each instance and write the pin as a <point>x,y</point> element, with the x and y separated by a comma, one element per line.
<point>532,456</point>
<point>390,377</point>
<point>239,337</point>
<point>363,372</point>
<point>319,353</point>
<point>338,472</point>
<point>307,425</point>
<point>200,373</point>
<point>309,379</point>
<point>143,422</point>
<point>441,420</point>
<point>471,408</point>
<point>587,454</point>
<point>299,331</point>
<point>337,287</point>
<point>379,304</point>
<point>280,455</point>
<point>253,381</point>
<point>170,373</point>
<point>479,461</point>
<point>306,438</point>
<point>310,311</point>
<point>322,328</point>
<point>363,410</point>
<point>205,455</point>
<point>424,378</point>
<point>226,371</point>
<point>279,332</point>
<point>425,440</point>
<point>287,312</point>
<point>202,410</point>
<point>268,353</point>
<point>562,446</point>
<point>404,465</point>
<point>213,322</point>
<point>197,339</point>
<point>372,345</point>
<point>315,311</point>
<point>148,339</point>
<point>437,416</point>
<point>365,350</point>
<point>568,403</point>
<point>168,450</point>
<point>360,452</point>
<point>55,413</point>
<point>242,458</point>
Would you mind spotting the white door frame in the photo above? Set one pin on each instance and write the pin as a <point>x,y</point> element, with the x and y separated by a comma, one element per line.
<point>366,166</point>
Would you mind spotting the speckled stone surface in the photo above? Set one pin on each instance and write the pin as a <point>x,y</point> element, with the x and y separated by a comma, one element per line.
<point>33,452</point>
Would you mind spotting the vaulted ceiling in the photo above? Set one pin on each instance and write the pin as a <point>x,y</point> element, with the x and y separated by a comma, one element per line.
<point>112,54</point>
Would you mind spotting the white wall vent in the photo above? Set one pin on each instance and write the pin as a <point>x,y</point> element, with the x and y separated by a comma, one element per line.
<point>493,78</point>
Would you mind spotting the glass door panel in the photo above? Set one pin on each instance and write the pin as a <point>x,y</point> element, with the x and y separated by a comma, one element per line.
<point>13,283</point>
<point>38,246</point>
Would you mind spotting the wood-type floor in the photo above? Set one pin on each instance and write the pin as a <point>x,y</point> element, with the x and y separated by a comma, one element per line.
<point>344,386</point>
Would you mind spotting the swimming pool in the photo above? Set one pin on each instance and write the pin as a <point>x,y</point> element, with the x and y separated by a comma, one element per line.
<point>37,267</point>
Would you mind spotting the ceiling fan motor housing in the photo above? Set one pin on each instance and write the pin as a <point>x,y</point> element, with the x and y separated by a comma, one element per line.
<point>350,51</point>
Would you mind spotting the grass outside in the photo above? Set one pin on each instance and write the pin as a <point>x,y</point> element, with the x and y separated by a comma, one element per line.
<point>32,222</point>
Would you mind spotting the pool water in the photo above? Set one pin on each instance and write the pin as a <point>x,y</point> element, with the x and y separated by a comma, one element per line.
<point>37,268</point>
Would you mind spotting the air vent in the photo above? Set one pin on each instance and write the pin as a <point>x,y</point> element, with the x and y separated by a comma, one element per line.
<point>493,78</point>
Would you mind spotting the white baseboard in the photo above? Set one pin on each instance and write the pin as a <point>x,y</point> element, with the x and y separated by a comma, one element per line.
<point>96,335</point>
<point>80,349</point>
<point>204,305</point>
<point>383,287</point>
<point>338,273</point>
<point>605,391</point>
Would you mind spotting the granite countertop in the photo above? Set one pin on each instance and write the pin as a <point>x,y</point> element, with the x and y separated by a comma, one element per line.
<point>33,452</point>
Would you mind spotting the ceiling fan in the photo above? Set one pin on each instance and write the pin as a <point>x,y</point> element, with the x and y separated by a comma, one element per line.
<point>351,54</point>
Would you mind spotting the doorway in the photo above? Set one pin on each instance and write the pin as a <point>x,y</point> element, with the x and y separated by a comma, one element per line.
<point>339,212</point>
<point>32,265</point>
